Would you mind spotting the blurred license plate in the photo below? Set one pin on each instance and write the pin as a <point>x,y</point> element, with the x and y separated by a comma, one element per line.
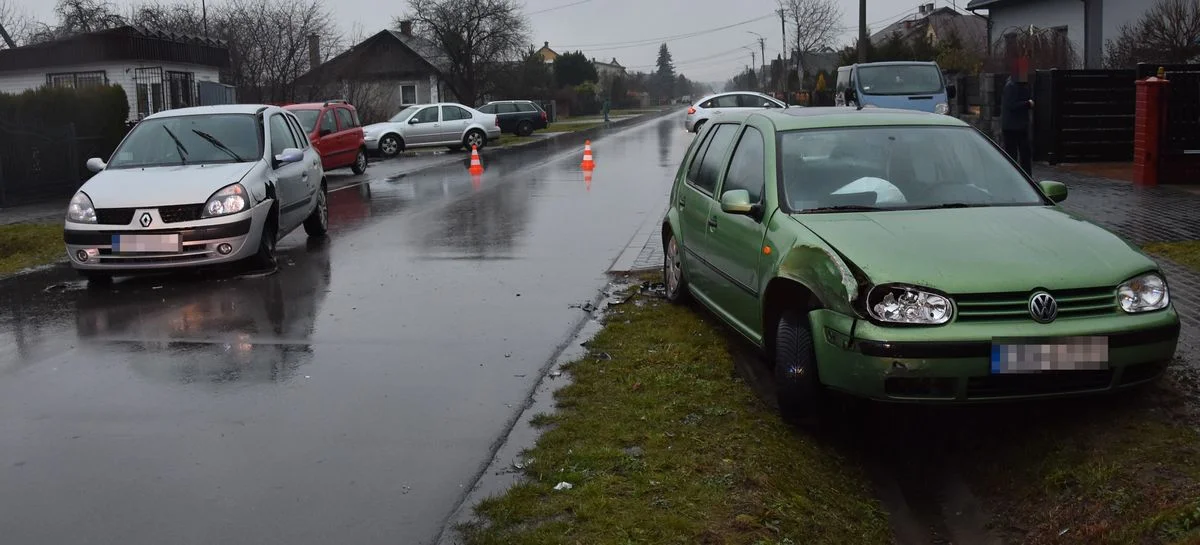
<point>134,244</point>
<point>1040,355</point>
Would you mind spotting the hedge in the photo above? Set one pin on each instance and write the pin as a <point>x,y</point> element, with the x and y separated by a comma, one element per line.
<point>98,113</point>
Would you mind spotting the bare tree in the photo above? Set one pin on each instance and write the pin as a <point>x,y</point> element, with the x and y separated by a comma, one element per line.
<point>78,16</point>
<point>477,38</point>
<point>814,25</point>
<point>179,17</point>
<point>16,24</point>
<point>1167,33</point>
<point>1042,49</point>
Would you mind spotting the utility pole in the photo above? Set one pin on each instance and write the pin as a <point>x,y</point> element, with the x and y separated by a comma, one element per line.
<point>204,16</point>
<point>862,30</point>
<point>7,39</point>
<point>762,49</point>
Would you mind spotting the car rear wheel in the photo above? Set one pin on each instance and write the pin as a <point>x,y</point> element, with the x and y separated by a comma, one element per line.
<point>360,162</point>
<point>475,139</point>
<point>524,128</point>
<point>673,279</point>
<point>390,145</point>
<point>317,223</point>
<point>798,388</point>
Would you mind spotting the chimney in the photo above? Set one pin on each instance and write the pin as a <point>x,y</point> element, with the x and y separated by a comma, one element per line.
<point>406,27</point>
<point>547,44</point>
<point>314,51</point>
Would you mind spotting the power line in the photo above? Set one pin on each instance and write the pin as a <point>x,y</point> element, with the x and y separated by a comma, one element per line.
<point>664,39</point>
<point>558,7</point>
<point>737,50</point>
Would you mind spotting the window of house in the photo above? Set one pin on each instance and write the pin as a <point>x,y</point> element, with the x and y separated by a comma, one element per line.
<point>77,80</point>
<point>345,120</point>
<point>408,94</point>
<point>148,83</point>
<point>181,89</point>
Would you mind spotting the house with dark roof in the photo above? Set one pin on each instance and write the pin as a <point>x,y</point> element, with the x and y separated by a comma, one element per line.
<point>381,74</point>
<point>937,24</point>
<point>1087,24</point>
<point>548,55</point>
<point>158,70</point>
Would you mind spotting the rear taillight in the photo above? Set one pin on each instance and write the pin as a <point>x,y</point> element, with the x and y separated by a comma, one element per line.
<point>691,110</point>
<point>497,118</point>
<point>543,116</point>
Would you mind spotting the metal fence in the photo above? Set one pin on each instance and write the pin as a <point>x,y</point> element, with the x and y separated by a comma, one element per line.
<point>1084,115</point>
<point>1181,132</point>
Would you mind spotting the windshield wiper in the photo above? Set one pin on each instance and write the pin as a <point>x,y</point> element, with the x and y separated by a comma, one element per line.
<point>217,144</point>
<point>182,151</point>
<point>952,205</point>
<point>842,208</point>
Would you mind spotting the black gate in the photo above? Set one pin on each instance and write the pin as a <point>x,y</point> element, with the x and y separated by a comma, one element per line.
<point>1084,115</point>
<point>1181,133</point>
<point>37,163</point>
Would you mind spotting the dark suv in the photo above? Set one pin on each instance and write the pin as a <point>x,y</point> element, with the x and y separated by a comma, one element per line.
<point>520,117</point>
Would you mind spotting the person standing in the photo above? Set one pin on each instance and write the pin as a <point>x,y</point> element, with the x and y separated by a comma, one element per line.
<point>1016,103</point>
<point>607,107</point>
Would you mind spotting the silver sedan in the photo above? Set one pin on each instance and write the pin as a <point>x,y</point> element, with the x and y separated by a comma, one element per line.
<point>448,124</point>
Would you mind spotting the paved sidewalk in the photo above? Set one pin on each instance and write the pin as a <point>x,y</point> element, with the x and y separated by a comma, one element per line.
<point>34,213</point>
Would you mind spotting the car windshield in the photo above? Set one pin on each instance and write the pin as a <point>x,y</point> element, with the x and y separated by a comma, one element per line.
<point>900,79</point>
<point>403,114</point>
<point>190,139</point>
<point>307,118</point>
<point>900,167</point>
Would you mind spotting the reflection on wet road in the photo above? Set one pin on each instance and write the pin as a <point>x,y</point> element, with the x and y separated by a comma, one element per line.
<point>352,396</point>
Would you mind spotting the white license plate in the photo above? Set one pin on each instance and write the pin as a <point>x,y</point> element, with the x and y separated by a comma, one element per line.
<point>1042,355</point>
<point>140,244</point>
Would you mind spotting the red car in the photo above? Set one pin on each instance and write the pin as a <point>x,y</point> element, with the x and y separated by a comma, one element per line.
<point>334,130</point>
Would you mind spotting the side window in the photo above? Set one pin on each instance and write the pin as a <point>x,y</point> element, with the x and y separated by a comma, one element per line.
<point>327,122</point>
<point>454,113</point>
<point>752,101</point>
<point>428,115</point>
<point>297,132</point>
<point>488,108</point>
<point>710,166</point>
<point>281,135</point>
<point>526,107</point>
<point>507,108</point>
<point>345,120</point>
<point>709,104</point>
<point>694,168</point>
<point>727,101</point>
<point>747,169</point>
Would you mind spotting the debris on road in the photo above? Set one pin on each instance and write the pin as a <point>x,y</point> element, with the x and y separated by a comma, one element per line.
<point>564,486</point>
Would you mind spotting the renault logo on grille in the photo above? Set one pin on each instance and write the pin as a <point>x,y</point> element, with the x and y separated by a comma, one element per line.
<point>1043,308</point>
<point>146,219</point>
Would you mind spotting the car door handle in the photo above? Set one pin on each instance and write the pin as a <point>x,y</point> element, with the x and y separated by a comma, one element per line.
<point>682,202</point>
<point>712,223</point>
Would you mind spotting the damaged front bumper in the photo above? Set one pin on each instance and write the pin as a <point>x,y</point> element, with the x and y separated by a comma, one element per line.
<point>953,363</point>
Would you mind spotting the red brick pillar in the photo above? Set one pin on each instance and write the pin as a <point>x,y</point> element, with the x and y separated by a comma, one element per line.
<point>1147,131</point>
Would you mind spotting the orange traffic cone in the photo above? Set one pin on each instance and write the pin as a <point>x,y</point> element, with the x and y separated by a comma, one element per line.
<point>587,179</point>
<point>588,163</point>
<point>476,166</point>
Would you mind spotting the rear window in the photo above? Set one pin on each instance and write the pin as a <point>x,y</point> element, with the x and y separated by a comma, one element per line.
<point>526,107</point>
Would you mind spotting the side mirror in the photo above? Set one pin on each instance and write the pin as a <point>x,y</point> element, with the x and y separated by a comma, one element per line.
<point>413,121</point>
<point>951,91</point>
<point>96,164</point>
<point>736,201</point>
<point>1056,191</point>
<point>290,155</point>
<point>324,132</point>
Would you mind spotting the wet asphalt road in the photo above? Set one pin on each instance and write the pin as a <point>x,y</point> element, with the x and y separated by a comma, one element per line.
<point>349,398</point>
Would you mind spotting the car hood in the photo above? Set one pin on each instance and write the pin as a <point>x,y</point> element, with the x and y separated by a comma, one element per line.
<point>980,250</point>
<point>161,186</point>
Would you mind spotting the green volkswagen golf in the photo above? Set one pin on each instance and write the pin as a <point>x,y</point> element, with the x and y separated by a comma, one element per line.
<point>902,256</point>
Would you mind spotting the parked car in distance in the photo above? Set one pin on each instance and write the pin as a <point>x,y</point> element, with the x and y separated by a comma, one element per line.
<point>718,105</point>
<point>902,256</point>
<point>448,124</point>
<point>197,186</point>
<point>333,129</point>
<point>905,85</point>
<point>519,117</point>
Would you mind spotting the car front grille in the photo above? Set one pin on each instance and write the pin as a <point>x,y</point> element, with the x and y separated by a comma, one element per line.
<point>114,216</point>
<point>1014,306</point>
<point>177,214</point>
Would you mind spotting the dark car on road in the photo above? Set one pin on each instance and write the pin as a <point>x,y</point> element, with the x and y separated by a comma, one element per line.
<point>519,117</point>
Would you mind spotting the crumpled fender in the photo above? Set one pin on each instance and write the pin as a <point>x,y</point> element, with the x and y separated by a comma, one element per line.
<point>812,263</point>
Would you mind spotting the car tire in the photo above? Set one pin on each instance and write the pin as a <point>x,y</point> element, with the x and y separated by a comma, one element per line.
<point>674,282</point>
<point>360,162</point>
<point>475,138</point>
<point>798,387</point>
<point>524,128</point>
<point>264,259</point>
<point>390,146</point>
<point>317,223</point>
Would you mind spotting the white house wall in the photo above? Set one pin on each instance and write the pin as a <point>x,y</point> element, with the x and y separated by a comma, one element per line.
<point>118,73</point>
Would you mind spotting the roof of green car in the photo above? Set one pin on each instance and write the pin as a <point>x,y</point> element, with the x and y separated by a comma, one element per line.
<point>830,117</point>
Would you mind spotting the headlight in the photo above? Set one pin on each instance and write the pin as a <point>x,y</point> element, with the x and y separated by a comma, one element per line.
<point>908,305</point>
<point>81,210</point>
<point>942,108</point>
<point>229,200</point>
<point>1143,294</point>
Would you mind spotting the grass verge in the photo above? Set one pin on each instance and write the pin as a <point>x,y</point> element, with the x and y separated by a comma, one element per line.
<point>1185,253</point>
<point>663,444</point>
<point>28,245</point>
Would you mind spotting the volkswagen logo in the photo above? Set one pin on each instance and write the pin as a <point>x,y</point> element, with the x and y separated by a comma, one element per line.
<point>146,219</point>
<point>1043,308</point>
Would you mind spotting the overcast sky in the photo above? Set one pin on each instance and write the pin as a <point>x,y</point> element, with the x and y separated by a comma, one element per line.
<point>630,30</point>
